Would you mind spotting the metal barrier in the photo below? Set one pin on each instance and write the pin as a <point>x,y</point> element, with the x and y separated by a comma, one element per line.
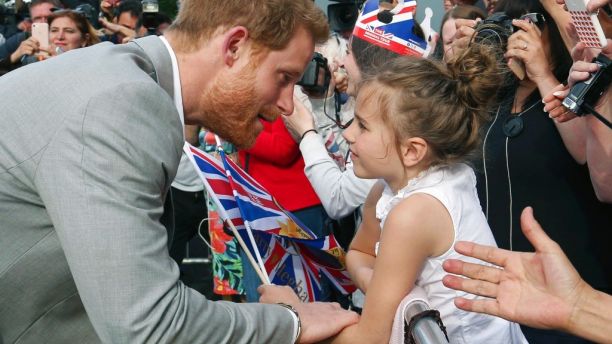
<point>425,330</point>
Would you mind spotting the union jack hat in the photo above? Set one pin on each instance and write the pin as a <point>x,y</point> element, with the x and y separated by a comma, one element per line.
<point>397,35</point>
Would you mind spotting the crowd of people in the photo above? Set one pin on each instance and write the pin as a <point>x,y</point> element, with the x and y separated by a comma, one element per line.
<point>424,156</point>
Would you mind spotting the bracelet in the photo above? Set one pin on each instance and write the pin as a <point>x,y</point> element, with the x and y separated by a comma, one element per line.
<point>308,131</point>
<point>297,332</point>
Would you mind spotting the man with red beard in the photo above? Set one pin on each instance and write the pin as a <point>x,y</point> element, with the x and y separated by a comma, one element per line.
<point>86,163</point>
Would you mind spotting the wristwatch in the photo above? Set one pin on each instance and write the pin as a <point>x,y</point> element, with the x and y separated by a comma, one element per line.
<point>298,330</point>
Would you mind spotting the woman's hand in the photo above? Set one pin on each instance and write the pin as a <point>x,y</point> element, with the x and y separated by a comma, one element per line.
<point>527,46</point>
<point>464,34</point>
<point>28,47</point>
<point>581,70</point>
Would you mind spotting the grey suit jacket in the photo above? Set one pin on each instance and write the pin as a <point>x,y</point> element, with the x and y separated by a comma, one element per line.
<point>89,144</point>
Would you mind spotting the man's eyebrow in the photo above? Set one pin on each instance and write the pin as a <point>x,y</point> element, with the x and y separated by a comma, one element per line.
<point>293,73</point>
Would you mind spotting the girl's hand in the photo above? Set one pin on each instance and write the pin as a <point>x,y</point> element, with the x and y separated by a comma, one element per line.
<point>526,45</point>
<point>299,121</point>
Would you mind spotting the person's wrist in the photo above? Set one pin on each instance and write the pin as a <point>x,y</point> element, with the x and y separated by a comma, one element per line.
<point>583,297</point>
<point>306,132</point>
<point>297,328</point>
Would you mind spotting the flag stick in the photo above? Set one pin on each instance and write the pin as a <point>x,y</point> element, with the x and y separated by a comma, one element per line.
<point>263,277</point>
<point>261,270</point>
<point>257,255</point>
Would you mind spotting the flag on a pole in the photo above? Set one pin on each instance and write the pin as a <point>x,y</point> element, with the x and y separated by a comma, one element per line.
<point>291,253</point>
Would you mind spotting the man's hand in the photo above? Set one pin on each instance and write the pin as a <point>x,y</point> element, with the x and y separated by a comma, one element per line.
<point>538,289</point>
<point>320,320</point>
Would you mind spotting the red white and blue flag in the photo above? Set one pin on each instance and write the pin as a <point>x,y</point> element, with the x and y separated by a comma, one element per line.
<point>291,253</point>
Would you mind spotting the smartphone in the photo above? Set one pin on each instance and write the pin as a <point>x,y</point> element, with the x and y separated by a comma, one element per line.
<point>40,31</point>
<point>586,23</point>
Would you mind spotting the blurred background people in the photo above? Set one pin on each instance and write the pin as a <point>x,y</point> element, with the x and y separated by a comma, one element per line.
<point>68,30</point>
<point>22,44</point>
<point>448,28</point>
<point>126,23</point>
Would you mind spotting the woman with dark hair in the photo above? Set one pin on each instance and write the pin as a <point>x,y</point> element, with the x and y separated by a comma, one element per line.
<point>69,30</point>
<point>530,160</point>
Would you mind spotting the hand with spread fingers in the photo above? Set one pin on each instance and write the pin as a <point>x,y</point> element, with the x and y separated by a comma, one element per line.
<point>539,289</point>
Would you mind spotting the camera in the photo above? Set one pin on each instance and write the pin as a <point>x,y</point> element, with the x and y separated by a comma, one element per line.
<point>497,28</point>
<point>343,15</point>
<point>150,11</point>
<point>589,91</point>
<point>317,76</point>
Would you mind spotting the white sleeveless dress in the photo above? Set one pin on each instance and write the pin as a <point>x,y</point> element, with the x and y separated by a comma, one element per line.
<point>455,187</point>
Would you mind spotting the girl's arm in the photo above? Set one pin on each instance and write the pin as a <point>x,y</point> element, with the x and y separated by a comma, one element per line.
<point>360,257</point>
<point>417,228</point>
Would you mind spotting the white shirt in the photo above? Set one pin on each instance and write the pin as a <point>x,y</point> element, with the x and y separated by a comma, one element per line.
<point>186,178</point>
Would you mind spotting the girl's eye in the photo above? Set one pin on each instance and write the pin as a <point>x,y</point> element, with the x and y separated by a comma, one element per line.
<point>361,126</point>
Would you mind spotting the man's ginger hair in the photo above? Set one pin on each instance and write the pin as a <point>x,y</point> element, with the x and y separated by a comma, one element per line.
<point>271,23</point>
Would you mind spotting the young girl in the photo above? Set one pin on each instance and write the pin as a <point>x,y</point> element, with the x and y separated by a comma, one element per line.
<point>416,121</point>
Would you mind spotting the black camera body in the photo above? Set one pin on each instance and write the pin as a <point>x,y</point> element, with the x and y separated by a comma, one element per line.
<point>317,76</point>
<point>343,15</point>
<point>497,28</point>
<point>150,10</point>
<point>590,90</point>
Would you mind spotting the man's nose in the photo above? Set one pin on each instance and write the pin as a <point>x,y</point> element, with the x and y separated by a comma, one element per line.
<point>285,102</point>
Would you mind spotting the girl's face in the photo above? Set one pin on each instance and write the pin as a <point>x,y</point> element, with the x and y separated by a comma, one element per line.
<point>64,34</point>
<point>372,143</point>
<point>354,76</point>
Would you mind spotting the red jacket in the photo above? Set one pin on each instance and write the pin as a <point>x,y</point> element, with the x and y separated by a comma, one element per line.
<point>275,161</point>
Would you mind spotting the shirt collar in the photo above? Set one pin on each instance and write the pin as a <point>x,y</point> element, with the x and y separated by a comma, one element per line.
<point>178,96</point>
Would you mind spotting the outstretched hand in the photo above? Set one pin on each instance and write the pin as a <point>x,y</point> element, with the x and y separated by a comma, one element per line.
<point>320,320</point>
<point>538,289</point>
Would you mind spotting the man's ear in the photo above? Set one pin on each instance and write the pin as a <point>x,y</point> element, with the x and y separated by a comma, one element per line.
<point>413,151</point>
<point>234,43</point>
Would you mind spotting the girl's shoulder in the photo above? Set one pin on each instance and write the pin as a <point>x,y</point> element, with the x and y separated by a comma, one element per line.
<point>422,216</point>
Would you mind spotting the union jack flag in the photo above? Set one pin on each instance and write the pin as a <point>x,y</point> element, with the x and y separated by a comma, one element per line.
<point>291,253</point>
